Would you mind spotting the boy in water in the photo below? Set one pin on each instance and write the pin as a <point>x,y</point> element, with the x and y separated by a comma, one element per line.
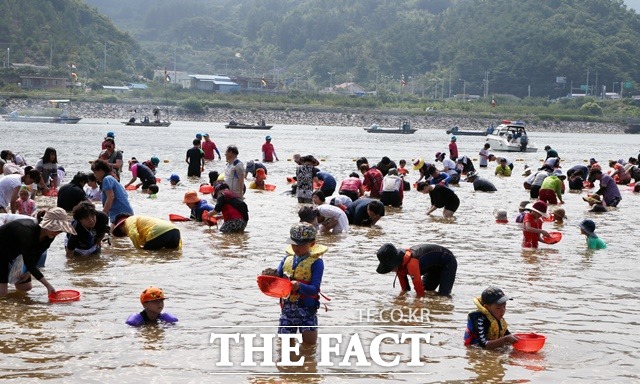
<point>487,327</point>
<point>305,268</point>
<point>152,300</point>
<point>588,228</point>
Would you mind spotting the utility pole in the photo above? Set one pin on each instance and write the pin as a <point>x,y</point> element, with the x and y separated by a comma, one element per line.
<point>587,91</point>
<point>105,57</point>
<point>8,58</point>
<point>449,83</point>
<point>486,84</point>
<point>596,85</point>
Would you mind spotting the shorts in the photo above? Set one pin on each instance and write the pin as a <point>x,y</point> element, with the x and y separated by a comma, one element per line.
<point>548,196</point>
<point>351,194</point>
<point>391,198</point>
<point>233,225</point>
<point>453,205</point>
<point>613,202</point>
<point>169,240</point>
<point>534,191</point>
<point>294,319</point>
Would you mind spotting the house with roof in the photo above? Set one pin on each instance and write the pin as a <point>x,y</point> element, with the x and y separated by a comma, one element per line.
<point>42,82</point>
<point>175,77</point>
<point>214,83</point>
<point>134,86</point>
<point>349,88</point>
<point>116,89</point>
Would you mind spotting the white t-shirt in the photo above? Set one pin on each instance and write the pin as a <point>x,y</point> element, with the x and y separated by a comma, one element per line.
<point>484,154</point>
<point>331,212</point>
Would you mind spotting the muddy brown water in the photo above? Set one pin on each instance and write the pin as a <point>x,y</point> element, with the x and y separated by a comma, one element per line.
<point>585,302</point>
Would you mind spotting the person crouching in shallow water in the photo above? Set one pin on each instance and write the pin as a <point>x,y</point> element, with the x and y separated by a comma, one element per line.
<point>441,197</point>
<point>235,212</point>
<point>147,232</point>
<point>487,327</point>
<point>305,267</point>
<point>430,266</point>
<point>91,226</point>
<point>392,192</point>
<point>28,240</point>
<point>152,300</point>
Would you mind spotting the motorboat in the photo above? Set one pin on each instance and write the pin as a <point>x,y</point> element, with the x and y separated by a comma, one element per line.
<point>156,122</point>
<point>405,128</point>
<point>235,125</point>
<point>511,137</point>
<point>62,118</point>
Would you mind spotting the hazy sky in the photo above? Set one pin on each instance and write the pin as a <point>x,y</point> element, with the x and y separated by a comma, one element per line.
<point>634,4</point>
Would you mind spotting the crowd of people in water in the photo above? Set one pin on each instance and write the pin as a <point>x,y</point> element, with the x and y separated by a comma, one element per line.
<point>94,206</point>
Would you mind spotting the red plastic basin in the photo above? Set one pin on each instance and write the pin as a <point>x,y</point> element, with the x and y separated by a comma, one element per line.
<point>275,286</point>
<point>529,342</point>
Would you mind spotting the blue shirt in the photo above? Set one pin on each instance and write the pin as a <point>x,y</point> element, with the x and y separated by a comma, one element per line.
<point>329,182</point>
<point>196,213</point>
<point>120,198</point>
<point>313,287</point>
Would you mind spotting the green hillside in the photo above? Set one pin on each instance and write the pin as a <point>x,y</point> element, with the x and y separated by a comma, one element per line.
<point>518,46</point>
<point>62,33</point>
<point>515,47</point>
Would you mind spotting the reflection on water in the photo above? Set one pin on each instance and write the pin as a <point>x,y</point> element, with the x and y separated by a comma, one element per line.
<point>583,301</point>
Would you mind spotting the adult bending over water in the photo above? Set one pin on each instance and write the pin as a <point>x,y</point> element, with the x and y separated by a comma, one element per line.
<point>28,240</point>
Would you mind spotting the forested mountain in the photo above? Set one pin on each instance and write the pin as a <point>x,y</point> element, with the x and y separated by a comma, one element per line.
<point>65,33</point>
<point>514,46</point>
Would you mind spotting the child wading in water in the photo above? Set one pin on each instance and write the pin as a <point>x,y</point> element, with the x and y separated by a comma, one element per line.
<point>588,228</point>
<point>532,224</point>
<point>486,327</point>
<point>305,268</point>
<point>152,300</point>
<point>26,205</point>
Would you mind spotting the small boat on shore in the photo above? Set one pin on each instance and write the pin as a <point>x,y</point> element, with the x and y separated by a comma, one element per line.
<point>462,132</point>
<point>235,125</point>
<point>405,128</point>
<point>62,118</point>
<point>633,125</point>
<point>510,137</point>
<point>157,122</point>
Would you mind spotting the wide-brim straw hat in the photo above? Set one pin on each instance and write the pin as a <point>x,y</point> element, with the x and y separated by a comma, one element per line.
<point>56,220</point>
<point>537,207</point>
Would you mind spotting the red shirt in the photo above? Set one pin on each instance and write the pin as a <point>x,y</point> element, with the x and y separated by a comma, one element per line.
<point>530,239</point>
<point>453,150</point>
<point>268,151</point>
<point>208,147</point>
<point>373,181</point>
<point>410,266</point>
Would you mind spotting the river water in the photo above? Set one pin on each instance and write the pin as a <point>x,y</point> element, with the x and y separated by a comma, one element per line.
<point>585,302</point>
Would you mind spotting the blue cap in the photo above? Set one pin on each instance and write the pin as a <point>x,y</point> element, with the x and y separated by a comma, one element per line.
<point>198,135</point>
<point>268,137</point>
<point>111,134</point>
<point>205,134</point>
<point>174,177</point>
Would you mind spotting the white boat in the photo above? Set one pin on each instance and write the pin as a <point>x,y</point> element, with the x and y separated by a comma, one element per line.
<point>59,106</point>
<point>507,137</point>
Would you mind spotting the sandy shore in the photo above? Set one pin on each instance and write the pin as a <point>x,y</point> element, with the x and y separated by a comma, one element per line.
<point>357,119</point>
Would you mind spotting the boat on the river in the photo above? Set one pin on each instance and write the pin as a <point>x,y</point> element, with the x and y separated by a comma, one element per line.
<point>464,132</point>
<point>633,125</point>
<point>511,137</point>
<point>235,125</point>
<point>405,128</point>
<point>156,122</point>
<point>59,108</point>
